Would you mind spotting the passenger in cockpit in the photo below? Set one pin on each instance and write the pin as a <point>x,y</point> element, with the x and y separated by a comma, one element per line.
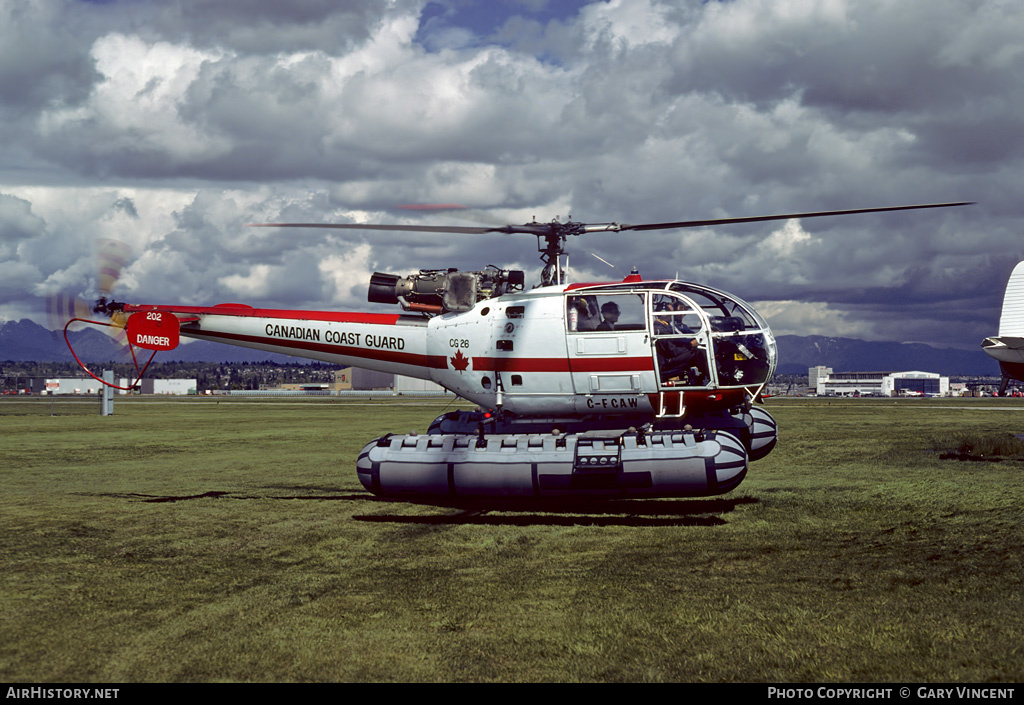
<point>583,313</point>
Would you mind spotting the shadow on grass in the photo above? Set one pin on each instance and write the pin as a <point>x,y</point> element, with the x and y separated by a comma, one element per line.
<point>573,512</point>
<point>506,512</point>
<point>158,499</point>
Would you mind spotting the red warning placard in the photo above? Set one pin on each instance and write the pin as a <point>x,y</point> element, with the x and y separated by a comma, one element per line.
<point>153,330</point>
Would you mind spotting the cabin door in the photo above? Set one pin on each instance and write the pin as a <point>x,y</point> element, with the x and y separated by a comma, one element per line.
<point>608,345</point>
<point>680,343</point>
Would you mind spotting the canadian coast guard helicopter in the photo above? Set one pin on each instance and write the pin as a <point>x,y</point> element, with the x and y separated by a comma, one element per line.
<point>631,388</point>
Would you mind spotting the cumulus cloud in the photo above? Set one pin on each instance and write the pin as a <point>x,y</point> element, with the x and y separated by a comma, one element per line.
<point>172,129</point>
<point>43,58</point>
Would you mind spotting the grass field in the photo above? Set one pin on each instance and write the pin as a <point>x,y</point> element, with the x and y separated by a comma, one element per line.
<point>191,540</point>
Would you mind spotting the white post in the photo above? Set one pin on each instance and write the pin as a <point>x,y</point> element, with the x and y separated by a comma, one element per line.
<point>107,406</point>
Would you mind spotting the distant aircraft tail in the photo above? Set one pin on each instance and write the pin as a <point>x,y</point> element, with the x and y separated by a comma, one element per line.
<point>1011,322</point>
<point>1008,346</point>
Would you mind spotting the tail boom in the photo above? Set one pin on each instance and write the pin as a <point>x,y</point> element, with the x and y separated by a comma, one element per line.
<point>384,342</point>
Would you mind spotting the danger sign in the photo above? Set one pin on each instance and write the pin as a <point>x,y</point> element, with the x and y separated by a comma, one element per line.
<point>153,330</point>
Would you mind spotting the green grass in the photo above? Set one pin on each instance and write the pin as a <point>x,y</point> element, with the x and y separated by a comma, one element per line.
<point>191,540</point>
<point>975,445</point>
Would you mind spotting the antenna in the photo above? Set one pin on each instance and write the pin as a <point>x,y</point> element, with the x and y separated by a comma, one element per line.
<point>606,262</point>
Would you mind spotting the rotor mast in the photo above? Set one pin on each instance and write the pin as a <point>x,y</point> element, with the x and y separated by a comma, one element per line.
<point>552,249</point>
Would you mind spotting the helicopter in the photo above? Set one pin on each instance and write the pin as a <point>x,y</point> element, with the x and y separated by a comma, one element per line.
<point>634,388</point>
<point>1008,347</point>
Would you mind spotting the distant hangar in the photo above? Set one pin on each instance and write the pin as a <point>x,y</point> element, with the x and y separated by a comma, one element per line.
<point>878,384</point>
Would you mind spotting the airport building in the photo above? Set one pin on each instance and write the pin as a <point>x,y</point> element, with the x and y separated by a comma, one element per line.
<point>881,384</point>
<point>369,380</point>
<point>357,379</point>
<point>66,385</point>
<point>171,387</point>
<point>89,386</point>
<point>814,373</point>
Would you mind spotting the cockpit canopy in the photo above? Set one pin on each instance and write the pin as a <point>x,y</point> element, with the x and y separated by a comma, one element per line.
<point>701,337</point>
<point>725,311</point>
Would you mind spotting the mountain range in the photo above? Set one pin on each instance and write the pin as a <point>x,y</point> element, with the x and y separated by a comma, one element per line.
<point>797,353</point>
<point>26,341</point>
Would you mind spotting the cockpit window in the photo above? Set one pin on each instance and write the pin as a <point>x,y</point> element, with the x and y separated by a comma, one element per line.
<point>681,359</point>
<point>605,312</point>
<point>741,360</point>
<point>740,345</point>
<point>673,316</point>
<point>726,314</point>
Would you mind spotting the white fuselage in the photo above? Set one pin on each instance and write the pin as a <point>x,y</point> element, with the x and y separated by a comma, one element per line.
<point>538,352</point>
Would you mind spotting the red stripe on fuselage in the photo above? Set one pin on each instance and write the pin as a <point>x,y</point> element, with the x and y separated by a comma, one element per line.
<point>613,364</point>
<point>563,364</point>
<point>521,364</point>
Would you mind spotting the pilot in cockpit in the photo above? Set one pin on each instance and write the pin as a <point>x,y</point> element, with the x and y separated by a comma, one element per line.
<point>678,357</point>
<point>610,314</point>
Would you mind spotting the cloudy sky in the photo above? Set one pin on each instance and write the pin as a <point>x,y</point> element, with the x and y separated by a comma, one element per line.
<point>170,126</point>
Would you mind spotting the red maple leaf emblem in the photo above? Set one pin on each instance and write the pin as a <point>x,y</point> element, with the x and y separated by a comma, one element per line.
<point>460,362</point>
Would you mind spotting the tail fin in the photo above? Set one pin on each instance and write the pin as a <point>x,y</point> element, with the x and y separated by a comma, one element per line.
<point>1008,346</point>
<point>1011,322</point>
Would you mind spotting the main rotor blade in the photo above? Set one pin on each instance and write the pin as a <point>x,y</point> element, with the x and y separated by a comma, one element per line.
<point>787,216</point>
<point>408,228</point>
<point>574,228</point>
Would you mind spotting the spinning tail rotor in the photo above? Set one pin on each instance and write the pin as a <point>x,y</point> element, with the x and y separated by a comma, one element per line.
<point>72,313</point>
<point>68,311</point>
